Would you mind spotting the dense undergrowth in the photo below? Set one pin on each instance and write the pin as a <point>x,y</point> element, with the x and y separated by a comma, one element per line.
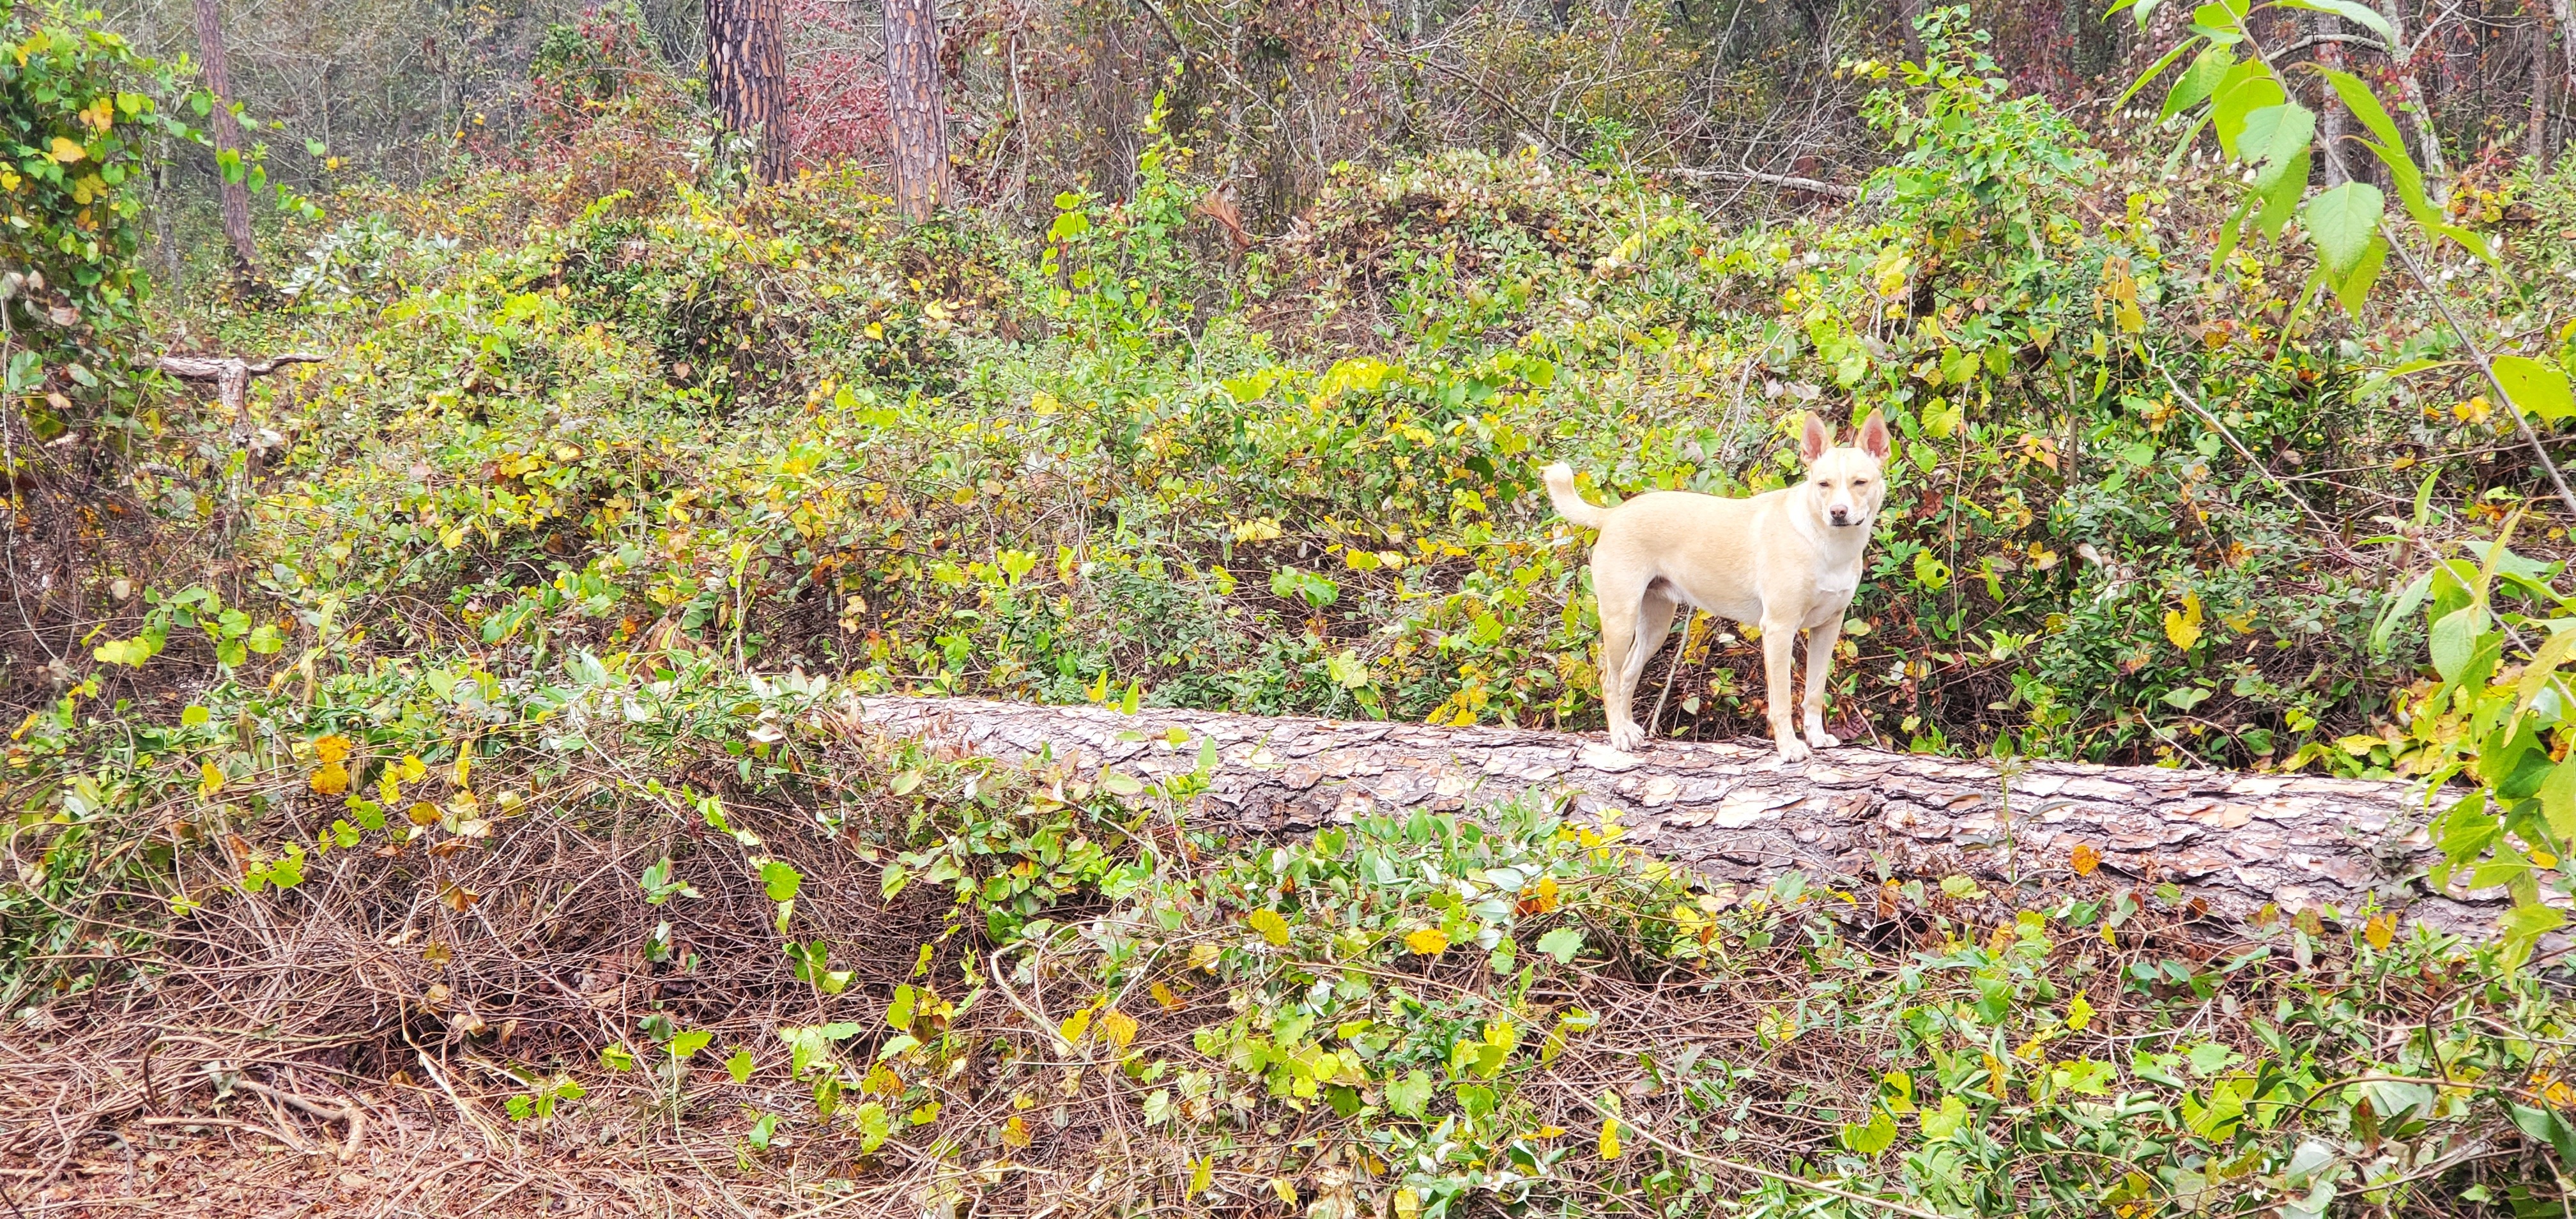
<point>860,974</point>
<point>469,706</point>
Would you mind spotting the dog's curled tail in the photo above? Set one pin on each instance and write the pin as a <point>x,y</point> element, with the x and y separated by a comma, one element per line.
<point>1570,503</point>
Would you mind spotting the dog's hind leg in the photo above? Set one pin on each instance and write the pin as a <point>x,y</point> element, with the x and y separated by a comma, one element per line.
<point>1820,673</point>
<point>1779,641</point>
<point>1654,626</point>
<point>1625,604</point>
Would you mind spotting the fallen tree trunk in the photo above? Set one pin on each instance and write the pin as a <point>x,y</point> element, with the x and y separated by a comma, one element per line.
<point>2233,843</point>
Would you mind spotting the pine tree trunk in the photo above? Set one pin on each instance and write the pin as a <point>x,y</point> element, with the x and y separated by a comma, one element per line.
<point>918,104</point>
<point>747,78</point>
<point>227,137</point>
<point>2231,843</point>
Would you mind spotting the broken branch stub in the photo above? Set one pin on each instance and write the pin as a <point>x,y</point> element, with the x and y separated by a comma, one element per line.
<point>2232,843</point>
<point>231,374</point>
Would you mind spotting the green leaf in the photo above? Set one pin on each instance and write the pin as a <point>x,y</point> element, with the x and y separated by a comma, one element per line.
<point>2354,287</point>
<point>2359,14</point>
<point>2273,135</point>
<point>1562,944</point>
<point>1411,1095</point>
<point>2342,221</point>
<point>899,1015</point>
<point>2153,71</point>
<point>739,1066</point>
<point>2281,196</point>
<point>2543,1126</point>
<point>873,1126</point>
<point>2196,81</point>
<point>2535,386</point>
<point>1947,1121</point>
<point>689,1043</point>
<point>2455,640</point>
<point>2558,801</point>
<point>2238,103</point>
<point>2530,922</point>
<point>1872,1137</point>
<point>781,879</point>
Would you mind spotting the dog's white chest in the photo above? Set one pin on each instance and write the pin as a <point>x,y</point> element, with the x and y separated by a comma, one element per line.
<point>1836,583</point>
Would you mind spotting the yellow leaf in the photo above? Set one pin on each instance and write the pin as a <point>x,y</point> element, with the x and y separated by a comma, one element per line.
<point>2183,626</point>
<point>1272,927</point>
<point>210,779</point>
<point>2079,1013</point>
<point>1163,995</point>
<point>2381,929</point>
<point>1203,956</point>
<point>1286,1191</point>
<point>1408,1203</point>
<point>332,748</point>
<point>2085,858</point>
<point>1015,1132</point>
<point>1428,942</point>
<point>1202,1174</point>
<point>422,812</point>
<point>68,151</point>
<point>331,780</point>
<point>1609,1138</point>
<point>464,765</point>
<point>1118,1026</point>
<point>413,768</point>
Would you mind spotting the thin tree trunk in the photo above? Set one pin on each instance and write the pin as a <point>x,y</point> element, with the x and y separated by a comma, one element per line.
<point>2330,112</point>
<point>1906,12</point>
<point>918,104</point>
<point>2231,843</point>
<point>2536,140</point>
<point>747,78</point>
<point>2411,103</point>
<point>220,126</point>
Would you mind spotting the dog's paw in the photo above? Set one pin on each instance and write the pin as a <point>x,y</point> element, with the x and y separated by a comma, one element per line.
<point>1823,740</point>
<point>1793,750</point>
<point>1627,737</point>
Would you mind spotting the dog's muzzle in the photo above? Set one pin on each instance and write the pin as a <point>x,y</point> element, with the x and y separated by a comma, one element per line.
<point>1843,518</point>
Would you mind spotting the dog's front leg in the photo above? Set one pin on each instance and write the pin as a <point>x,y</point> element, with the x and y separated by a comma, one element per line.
<point>1778,641</point>
<point>1820,670</point>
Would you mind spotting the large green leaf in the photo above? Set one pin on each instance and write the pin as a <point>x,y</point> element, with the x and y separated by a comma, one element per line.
<point>2280,194</point>
<point>2455,639</point>
<point>2535,386</point>
<point>2342,221</point>
<point>2156,69</point>
<point>2354,286</point>
<point>2237,101</point>
<point>2273,135</point>
<point>2365,106</point>
<point>2197,81</point>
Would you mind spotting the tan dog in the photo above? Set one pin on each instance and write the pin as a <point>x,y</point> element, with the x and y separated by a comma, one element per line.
<point>1785,561</point>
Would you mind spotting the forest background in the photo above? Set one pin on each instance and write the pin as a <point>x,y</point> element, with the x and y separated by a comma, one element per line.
<point>447,732</point>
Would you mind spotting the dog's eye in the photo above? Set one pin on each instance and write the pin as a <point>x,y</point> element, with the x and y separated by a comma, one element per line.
<point>1860,482</point>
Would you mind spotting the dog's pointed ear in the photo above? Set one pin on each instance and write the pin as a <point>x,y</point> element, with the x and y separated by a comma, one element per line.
<point>1813,442</point>
<point>1873,436</point>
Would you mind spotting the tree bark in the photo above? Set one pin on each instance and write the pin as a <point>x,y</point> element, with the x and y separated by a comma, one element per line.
<point>2412,104</point>
<point>2234,843</point>
<point>747,78</point>
<point>2330,112</point>
<point>2536,138</point>
<point>918,105</point>
<point>220,127</point>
